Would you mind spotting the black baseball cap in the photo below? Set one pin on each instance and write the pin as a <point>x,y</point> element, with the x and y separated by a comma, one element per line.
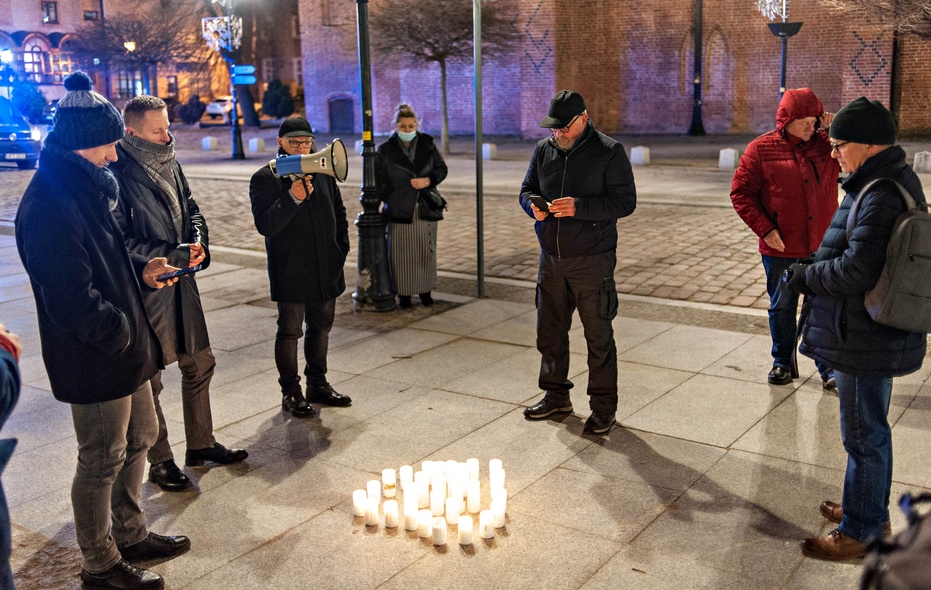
<point>566,105</point>
<point>295,127</point>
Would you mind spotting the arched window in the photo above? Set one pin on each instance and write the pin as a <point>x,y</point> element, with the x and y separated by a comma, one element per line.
<point>36,63</point>
<point>62,61</point>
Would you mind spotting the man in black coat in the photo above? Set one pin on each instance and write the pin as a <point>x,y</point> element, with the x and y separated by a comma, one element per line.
<point>159,217</point>
<point>307,241</point>
<point>97,344</point>
<point>840,332</point>
<point>587,184</point>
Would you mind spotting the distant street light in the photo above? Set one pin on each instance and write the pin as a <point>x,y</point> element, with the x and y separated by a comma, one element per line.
<point>224,34</point>
<point>780,8</point>
<point>130,46</point>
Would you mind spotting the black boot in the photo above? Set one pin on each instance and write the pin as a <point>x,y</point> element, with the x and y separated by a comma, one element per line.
<point>426,299</point>
<point>404,301</point>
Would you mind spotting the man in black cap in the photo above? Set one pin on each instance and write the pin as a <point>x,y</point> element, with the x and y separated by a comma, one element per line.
<point>98,347</point>
<point>307,240</point>
<point>578,184</point>
<point>840,333</point>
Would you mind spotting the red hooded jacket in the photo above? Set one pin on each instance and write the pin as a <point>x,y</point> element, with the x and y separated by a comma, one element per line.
<point>792,188</point>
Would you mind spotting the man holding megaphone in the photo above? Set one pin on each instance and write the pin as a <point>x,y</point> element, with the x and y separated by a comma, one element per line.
<point>307,240</point>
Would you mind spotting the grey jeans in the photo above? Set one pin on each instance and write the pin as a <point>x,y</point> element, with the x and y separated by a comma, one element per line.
<point>113,438</point>
<point>196,373</point>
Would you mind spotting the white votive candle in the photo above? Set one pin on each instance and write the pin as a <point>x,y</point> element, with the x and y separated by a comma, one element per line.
<point>465,530</point>
<point>371,512</point>
<point>497,479</point>
<point>494,464</point>
<point>374,489</point>
<point>424,524</point>
<point>359,498</point>
<point>453,490</point>
<point>439,483</point>
<point>389,483</point>
<point>437,502</point>
<point>391,514</point>
<point>410,513</point>
<point>452,510</point>
<point>497,513</point>
<point>473,466</point>
<point>439,531</point>
<point>406,474</point>
<point>451,468</point>
<point>499,494</point>
<point>486,524</point>
<point>423,494</point>
<point>426,466</point>
<point>474,496</point>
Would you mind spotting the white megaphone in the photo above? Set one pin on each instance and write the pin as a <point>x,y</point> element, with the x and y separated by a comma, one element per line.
<point>331,160</point>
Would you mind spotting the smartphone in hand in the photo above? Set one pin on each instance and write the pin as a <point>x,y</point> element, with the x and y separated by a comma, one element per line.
<point>541,203</point>
<point>179,273</point>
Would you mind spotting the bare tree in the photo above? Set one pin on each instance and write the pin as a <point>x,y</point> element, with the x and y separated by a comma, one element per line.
<point>910,17</point>
<point>440,31</point>
<point>141,35</point>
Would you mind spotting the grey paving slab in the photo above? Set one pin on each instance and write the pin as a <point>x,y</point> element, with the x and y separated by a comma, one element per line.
<point>528,449</point>
<point>473,317</point>
<point>39,420</point>
<point>39,471</point>
<point>445,363</point>
<point>240,326</point>
<point>641,457</point>
<point>629,332</point>
<point>687,348</point>
<point>512,560</point>
<point>382,349</point>
<point>752,361</point>
<point>707,409</point>
<point>910,442</point>
<point>634,568</point>
<point>602,506</point>
<point>520,330</point>
<point>639,385</point>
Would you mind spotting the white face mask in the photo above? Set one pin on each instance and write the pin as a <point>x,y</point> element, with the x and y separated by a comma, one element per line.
<point>407,137</point>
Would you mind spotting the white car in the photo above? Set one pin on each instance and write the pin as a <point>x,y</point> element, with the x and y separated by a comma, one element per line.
<point>221,106</point>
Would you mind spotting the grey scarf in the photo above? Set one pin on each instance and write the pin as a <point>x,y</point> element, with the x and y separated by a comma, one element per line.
<point>157,160</point>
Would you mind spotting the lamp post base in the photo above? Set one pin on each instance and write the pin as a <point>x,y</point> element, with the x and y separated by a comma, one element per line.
<point>373,283</point>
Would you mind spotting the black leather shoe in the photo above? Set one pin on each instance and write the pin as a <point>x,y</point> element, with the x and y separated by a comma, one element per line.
<point>156,547</point>
<point>426,299</point>
<point>404,301</point>
<point>217,453</point>
<point>325,394</point>
<point>599,423</point>
<point>829,384</point>
<point>779,376</point>
<point>298,406</point>
<point>549,405</point>
<point>123,576</point>
<point>168,476</point>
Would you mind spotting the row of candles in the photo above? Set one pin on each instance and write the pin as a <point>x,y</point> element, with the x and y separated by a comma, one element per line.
<point>440,487</point>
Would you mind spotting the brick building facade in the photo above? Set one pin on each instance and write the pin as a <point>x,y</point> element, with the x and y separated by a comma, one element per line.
<point>633,63</point>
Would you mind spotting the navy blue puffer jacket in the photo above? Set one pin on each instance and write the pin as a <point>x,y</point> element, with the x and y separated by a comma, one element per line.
<point>839,331</point>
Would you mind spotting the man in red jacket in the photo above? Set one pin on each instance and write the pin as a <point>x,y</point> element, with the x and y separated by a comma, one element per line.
<point>785,190</point>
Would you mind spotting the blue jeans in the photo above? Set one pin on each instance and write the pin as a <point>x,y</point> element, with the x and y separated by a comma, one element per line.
<point>783,312</point>
<point>864,427</point>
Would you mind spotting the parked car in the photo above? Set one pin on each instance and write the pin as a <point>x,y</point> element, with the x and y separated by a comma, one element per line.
<point>19,142</point>
<point>221,106</point>
<point>48,112</point>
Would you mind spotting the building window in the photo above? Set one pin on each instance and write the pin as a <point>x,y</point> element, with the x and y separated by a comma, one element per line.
<point>91,15</point>
<point>171,86</point>
<point>50,13</point>
<point>128,83</point>
<point>36,61</point>
<point>298,66</point>
<point>295,28</point>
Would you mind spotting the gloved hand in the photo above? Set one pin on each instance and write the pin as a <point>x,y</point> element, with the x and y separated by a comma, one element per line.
<point>794,279</point>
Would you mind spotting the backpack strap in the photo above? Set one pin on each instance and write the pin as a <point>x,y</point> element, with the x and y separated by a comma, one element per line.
<point>910,202</point>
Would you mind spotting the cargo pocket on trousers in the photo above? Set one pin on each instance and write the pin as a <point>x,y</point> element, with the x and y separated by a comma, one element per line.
<point>608,299</point>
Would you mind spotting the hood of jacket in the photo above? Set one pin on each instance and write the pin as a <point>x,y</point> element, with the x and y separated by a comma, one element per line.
<point>797,104</point>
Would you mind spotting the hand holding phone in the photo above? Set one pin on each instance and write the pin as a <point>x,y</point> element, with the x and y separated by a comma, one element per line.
<point>178,273</point>
<point>541,203</point>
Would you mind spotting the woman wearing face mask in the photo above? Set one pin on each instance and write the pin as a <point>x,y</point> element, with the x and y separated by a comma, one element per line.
<point>408,162</point>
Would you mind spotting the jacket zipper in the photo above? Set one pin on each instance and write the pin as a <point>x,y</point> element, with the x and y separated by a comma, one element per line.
<point>562,190</point>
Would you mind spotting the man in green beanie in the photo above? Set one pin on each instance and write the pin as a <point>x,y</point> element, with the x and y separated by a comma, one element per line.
<point>840,333</point>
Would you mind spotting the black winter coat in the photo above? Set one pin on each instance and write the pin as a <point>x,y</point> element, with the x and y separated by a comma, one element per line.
<point>597,173</point>
<point>97,344</point>
<point>839,331</point>
<point>175,312</point>
<point>394,171</point>
<point>307,242</point>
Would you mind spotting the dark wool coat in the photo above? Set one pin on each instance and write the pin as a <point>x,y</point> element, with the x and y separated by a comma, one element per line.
<point>394,171</point>
<point>307,242</point>
<point>175,312</point>
<point>597,173</point>
<point>839,331</point>
<point>782,185</point>
<point>97,344</point>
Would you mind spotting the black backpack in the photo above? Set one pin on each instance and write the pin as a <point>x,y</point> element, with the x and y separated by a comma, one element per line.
<point>903,562</point>
<point>902,295</point>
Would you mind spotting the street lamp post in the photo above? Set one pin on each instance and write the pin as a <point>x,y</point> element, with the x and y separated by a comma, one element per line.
<point>697,127</point>
<point>373,285</point>
<point>780,8</point>
<point>224,34</point>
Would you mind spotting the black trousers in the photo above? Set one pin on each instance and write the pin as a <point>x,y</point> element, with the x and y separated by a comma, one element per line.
<point>318,317</point>
<point>585,283</point>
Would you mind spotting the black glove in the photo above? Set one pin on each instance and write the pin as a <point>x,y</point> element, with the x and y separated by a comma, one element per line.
<point>794,279</point>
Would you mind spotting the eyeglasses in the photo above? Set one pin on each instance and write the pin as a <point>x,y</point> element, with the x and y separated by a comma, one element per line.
<point>567,127</point>
<point>837,146</point>
<point>296,144</point>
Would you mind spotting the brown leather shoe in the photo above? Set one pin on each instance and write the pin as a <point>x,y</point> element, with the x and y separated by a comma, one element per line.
<point>834,546</point>
<point>834,512</point>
